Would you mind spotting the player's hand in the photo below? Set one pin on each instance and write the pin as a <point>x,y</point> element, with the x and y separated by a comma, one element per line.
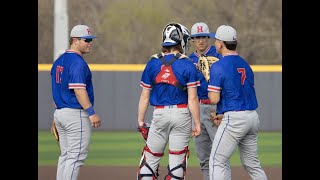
<point>144,129</point>
<point>140,123</point>
<point>217,119</point>
<point>95,120</point>
<point>196,130</point>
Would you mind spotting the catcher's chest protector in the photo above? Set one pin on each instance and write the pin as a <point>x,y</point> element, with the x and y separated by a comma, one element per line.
<point>166,74</point>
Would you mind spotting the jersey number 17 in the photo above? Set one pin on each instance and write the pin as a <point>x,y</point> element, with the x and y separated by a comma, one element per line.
<point>59,71</point>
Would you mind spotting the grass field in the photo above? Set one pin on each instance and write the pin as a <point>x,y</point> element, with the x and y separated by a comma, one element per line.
<point>124,149</point>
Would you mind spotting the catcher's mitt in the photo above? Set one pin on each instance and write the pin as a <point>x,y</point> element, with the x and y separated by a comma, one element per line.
<point>54,131</point>
<point>204,64</point>
<point>144,129</point>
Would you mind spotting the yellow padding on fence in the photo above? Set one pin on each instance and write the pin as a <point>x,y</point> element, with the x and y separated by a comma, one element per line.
<point>140,67</point>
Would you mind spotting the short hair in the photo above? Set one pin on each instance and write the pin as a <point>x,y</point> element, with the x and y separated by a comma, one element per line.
<point>167,49</point>
<point>231,45</point>
<point>70,40</point>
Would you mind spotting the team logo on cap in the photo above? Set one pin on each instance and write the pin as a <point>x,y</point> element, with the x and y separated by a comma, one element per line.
<point>199,29</point>
<point>89,31</point>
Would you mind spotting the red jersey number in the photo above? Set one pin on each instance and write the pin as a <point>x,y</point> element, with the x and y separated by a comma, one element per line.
<point>243,74</point>
<point>59,71</point>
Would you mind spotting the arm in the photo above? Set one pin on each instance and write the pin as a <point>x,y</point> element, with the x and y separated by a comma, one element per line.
<point>216,83</point>
<point>214,97</point>
<point>143,105</point>
<point>83,98</point>
<point>193,103</point>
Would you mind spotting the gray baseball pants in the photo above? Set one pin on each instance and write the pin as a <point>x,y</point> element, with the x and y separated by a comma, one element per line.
<point>237,128</point>
<point>203,143</point>
<point>169,125</point>
<point>74,130</point>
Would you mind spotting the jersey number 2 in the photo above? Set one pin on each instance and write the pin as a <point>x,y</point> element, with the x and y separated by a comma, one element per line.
<point>59,71</point>
<point>243,74</point>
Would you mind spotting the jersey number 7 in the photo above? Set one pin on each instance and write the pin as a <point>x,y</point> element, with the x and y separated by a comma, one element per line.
<point>243,74</point>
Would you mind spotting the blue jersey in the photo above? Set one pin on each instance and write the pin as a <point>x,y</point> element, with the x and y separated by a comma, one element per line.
<point>233,77</point>
<point>203,88</point>
<point>164,94</point>
<point>70,71</point>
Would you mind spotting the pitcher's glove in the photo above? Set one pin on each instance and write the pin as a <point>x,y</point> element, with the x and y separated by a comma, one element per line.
<point>54,131</point>
<point>204,64</point>
<point>217,119</point>
<point>144,129</point>
<point>213,115</point>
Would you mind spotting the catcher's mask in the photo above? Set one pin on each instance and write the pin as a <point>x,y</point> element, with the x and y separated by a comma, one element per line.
<point>185,44</point>
<point>172,34</point>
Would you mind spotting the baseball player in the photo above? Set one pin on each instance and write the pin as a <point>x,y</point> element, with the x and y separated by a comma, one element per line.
<point>72,92</point>
<point>169,83</point>
<point>200,35</point>
<point>231,87</point>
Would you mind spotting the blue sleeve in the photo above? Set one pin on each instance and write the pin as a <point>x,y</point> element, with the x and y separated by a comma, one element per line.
<point>146,79</point>
<point>192,75</point>
<point>77,73</point>
<point>216,77</point>
<point>194,59</point>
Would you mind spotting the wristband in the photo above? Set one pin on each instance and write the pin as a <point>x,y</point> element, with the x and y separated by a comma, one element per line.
<point>90,111</point>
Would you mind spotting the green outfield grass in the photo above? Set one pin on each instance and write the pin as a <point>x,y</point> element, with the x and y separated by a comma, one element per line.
<point>124,149</point>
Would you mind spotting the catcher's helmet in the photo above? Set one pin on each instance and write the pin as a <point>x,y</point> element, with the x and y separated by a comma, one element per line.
<point>176,33</point>
<point>171,34</point>
<point>185,44</point>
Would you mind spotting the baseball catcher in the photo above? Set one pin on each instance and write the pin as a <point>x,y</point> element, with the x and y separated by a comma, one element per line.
<point>204,65</point>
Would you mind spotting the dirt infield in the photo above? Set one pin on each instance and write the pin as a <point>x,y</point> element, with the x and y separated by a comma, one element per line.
<point>124,173</point>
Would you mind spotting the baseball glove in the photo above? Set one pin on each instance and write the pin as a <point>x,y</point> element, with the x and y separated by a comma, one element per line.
<point>144,129</point>
<point>204,64</point>
<point>54,131</point>
<point>213,115</point>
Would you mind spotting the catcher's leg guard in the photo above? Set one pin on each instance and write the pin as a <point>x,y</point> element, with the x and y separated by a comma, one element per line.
<point>145,172</point>
<point>180,170</point>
